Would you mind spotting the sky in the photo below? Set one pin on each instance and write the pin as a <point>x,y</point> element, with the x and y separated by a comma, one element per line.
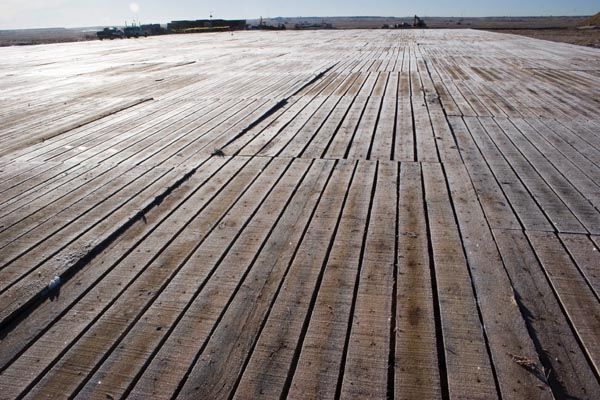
<point>15,14</point>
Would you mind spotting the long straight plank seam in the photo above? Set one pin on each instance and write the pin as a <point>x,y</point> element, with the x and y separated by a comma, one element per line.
<point>445,112</point>
<point>70,272</point>
<point>86,181</point>
<point>122,256</point>
<point>322,349</point>
<point>362,113</point>
<point>318,130</point>
<point>556,387</point>
<point>553,384</point>
<point>377,119</point>
<point>97,317</point>
<point>312,98</point>
<point>201,286</point>
<point>125,254</point>
<point>587,183</point>
<point>44,291</point>
<point>437,312</point>
<point>391,372</point>
<point>284,312</point>
<point>395,127</point>
<point>27,196</point>
<point>489,125</point>
<point>572,199</point>
<point>299,285</point>
<point>529,191</point>
<point>361,260</point>
<point>53,149</point>
<point>279,104</point>
<point>473,288</point>
<point>412,108</point>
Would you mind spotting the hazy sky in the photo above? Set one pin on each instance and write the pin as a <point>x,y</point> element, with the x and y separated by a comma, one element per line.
<point>76,13</point>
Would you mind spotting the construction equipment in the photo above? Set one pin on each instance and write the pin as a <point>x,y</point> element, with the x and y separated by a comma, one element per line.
<point>110,33</point>
<point>419,23</point>
<point>134,31</point>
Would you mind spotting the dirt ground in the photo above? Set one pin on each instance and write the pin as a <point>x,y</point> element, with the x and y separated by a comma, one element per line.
<point>581,37</point>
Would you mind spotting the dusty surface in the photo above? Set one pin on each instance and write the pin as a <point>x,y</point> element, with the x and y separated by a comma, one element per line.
<point>368,214</point>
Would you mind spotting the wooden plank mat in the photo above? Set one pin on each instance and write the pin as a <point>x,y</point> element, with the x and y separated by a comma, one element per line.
<point>302,214</point>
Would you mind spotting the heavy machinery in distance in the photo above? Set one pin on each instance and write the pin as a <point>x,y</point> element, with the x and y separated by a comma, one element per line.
<point>419,23</point>
<point>131,31</point>
<point>110,33</point>
<point>134,31</point>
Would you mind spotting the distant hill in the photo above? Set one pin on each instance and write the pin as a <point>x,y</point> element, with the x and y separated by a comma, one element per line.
<point>592,21</point>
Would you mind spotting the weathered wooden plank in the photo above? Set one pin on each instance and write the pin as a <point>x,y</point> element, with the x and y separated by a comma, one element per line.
<point>405,139</point>
<point>297,144</point>
<point>416,363</point>
<point>285,135</point>
<point>576,149</point>
<point>529,213</point>
<point>51,188</point>
<point>257,142</point>
<point>327,131</point>
<point>366,365</point>
<point>215,375</point>
<point>424,137</point>
<point>32,181</point>
<point>383,140</point>
<point>90,187</point>
<point>30,270</point>
<point>252,300</point>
